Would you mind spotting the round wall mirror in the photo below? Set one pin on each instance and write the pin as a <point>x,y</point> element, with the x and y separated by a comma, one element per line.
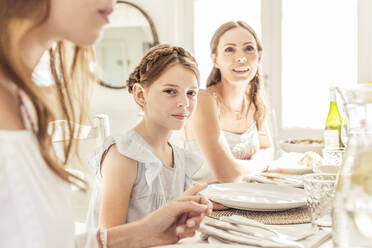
<point>125,40</point>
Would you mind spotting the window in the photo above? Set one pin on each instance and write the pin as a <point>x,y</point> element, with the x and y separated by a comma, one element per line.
<point>319,49</point>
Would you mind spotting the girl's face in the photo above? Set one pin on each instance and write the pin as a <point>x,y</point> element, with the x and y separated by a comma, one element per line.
<point>237,55</point>
<point>171,99</point>
<point>79,21</point>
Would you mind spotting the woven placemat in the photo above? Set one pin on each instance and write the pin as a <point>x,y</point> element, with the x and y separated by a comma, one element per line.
<point>290,216</point>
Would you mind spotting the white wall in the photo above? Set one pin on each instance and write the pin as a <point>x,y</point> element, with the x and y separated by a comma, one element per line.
<point>173,20</point>
<point>174,24</point>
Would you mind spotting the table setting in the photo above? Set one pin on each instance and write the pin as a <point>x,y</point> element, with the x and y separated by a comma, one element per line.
<point>275,208</point>
<point>255,208</point>
<point>296,201</point>
<point>240,230</point>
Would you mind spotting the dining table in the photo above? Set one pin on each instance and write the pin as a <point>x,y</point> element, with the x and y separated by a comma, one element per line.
<point>291,217</point>
<point>288,214</point>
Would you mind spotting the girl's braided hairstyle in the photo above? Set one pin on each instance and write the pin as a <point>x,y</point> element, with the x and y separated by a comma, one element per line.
<point>157,60</point>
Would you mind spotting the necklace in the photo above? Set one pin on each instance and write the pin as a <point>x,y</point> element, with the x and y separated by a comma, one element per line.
<point>238,114</point>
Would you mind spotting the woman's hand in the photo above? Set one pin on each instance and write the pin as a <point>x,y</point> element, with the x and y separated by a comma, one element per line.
<point>192,220</point>
<point>178,219</point>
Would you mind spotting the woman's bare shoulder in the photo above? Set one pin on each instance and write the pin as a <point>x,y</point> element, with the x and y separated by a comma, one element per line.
<point>207,97</point>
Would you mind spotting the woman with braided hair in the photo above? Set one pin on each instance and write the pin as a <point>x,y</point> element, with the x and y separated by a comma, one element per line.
<point>228,127</point>
<point>141,170</point>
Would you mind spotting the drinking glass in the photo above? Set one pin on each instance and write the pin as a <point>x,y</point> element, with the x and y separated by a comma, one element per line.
<point>320,189</point>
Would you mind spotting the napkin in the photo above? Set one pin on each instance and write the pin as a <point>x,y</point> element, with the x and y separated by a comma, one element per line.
<point>290,163</point>
<point>222,232</point>
<point>275,178</point>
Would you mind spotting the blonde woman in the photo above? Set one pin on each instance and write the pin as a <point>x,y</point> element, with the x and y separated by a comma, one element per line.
<point>228,127</point>
<point>35,209</point>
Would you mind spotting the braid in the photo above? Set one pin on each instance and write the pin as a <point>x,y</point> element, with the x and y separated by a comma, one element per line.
<point>134,77</point>
<point>156,60</point>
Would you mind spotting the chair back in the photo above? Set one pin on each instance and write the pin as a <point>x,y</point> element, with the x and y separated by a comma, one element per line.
<point>90,138</point>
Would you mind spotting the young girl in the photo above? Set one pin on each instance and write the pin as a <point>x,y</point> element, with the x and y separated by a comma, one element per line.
<point>228,127</point>
<point>35,209</point>
<point>141,170</point>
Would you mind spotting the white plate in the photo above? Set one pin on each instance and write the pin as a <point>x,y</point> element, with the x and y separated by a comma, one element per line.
<point>259,197</point>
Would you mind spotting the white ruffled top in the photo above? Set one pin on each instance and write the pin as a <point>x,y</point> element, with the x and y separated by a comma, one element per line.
<point>35,204</point>
<point>155,184</point>
<point>244,145</point>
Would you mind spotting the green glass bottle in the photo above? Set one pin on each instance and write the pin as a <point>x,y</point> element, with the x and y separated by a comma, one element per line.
<point>332,132</point>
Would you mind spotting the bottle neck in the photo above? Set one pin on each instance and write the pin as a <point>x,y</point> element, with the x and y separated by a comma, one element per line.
<point>333,105</point>
<point>332,95</point>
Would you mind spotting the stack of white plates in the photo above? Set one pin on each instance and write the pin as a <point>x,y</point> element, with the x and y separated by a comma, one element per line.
<point>258,197</point>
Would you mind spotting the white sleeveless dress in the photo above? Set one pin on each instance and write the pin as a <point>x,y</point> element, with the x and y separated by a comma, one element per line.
<point>155,184</point>
<point>242,146</point>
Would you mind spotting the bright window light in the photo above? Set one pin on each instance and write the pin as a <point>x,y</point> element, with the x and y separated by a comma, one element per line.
<point>319,49</point>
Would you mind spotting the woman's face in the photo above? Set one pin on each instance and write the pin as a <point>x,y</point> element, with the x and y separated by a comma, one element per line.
<point>171,99</point>
<point>79,21</point>
<point>237,55</point>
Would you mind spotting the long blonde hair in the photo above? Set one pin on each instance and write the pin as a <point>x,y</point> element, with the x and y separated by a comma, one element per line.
<point>214,77</point>
<point>68,63</point>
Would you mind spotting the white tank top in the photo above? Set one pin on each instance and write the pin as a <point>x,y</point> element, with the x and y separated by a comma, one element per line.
<point>242,146</point>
